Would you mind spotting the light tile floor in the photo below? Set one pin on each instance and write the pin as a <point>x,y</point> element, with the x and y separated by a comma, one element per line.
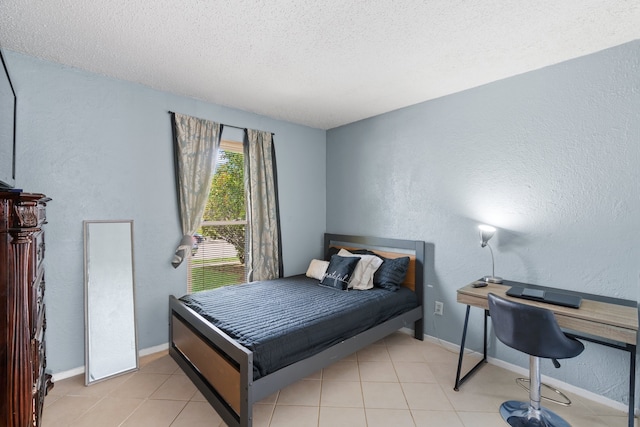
<point>396,382</point>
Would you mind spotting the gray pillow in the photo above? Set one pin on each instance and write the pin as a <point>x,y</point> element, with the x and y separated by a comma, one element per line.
<point>391,273</point>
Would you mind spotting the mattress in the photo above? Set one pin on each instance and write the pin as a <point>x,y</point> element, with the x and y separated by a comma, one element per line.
<point>286,320</point>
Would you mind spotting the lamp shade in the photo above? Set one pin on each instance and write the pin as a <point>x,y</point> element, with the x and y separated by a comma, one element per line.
<point>486,233</point>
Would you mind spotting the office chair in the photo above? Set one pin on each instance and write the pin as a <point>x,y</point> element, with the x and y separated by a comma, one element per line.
<point>534,331</point>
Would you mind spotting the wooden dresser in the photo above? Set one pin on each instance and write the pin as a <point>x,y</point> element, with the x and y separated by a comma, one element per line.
<point>23,382</point>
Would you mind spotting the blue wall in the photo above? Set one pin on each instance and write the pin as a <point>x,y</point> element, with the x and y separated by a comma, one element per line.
<point>101,148</point>
<point>550,157</point>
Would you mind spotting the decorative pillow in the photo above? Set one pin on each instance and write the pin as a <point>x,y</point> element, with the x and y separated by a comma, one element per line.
<point>317,268</point>
<point>339,272</point>
<point>363,274</point>
<point>391,273</point>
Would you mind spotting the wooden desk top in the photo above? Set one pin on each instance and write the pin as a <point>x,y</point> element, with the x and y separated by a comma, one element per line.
<point>607,320</point>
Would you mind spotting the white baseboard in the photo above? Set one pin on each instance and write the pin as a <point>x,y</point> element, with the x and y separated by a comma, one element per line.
<point>155,349</point>
<point>67,374</point>
<point>58,376</point>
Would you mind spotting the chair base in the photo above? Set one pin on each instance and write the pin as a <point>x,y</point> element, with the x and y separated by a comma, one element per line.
<point>521,414</point>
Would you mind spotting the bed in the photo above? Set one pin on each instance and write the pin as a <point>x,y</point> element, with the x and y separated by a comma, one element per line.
<point>235,365</point>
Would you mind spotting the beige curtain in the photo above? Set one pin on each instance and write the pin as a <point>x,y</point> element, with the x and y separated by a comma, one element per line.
<point>196,143</point>
<point>264,260</point>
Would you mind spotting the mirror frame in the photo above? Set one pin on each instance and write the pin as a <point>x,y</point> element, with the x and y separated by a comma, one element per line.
<point>87,266</point>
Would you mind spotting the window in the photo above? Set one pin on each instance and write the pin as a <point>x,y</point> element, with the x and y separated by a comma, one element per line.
<point>218,253</point>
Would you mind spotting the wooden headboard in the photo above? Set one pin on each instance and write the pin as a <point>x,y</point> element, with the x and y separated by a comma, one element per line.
<point>414,249</point>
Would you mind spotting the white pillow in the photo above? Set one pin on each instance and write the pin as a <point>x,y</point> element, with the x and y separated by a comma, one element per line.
<point>365,269</point>
<point>317,268</point>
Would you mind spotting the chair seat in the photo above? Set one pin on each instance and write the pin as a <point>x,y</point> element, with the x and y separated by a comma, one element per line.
<point>534,331</point>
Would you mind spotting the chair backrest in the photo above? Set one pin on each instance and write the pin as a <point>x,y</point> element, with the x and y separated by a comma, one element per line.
<point>529,329</point>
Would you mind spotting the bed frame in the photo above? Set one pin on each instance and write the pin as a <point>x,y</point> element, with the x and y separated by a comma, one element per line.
<point>223,370</point>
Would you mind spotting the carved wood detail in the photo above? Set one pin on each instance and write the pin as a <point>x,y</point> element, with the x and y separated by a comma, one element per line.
<point>19,348</point>
<point>23,382</point>
<point>27,215</point>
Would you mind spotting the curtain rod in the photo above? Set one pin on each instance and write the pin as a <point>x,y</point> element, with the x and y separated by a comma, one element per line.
<point>223,124</point>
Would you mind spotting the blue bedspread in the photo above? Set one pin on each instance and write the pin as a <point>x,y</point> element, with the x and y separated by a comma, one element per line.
<point>286,320</point>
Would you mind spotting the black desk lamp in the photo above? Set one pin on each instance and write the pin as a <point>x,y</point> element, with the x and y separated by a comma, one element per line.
<point>486,233</point>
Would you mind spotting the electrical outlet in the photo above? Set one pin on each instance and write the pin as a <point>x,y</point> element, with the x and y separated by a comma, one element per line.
<point>439,308</point>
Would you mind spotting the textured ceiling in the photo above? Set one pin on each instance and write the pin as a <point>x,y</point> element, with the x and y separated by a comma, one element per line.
<point>320,63</point>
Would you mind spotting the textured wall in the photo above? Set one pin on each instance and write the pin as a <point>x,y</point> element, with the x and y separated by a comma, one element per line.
<point>101,148</point>
<point>550,157</point>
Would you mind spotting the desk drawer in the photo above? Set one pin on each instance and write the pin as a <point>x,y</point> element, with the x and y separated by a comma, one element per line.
<point>567,319</point>
<point>610,332</point>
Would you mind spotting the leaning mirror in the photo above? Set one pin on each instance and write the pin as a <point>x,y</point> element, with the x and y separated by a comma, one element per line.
<point>111,346</point>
